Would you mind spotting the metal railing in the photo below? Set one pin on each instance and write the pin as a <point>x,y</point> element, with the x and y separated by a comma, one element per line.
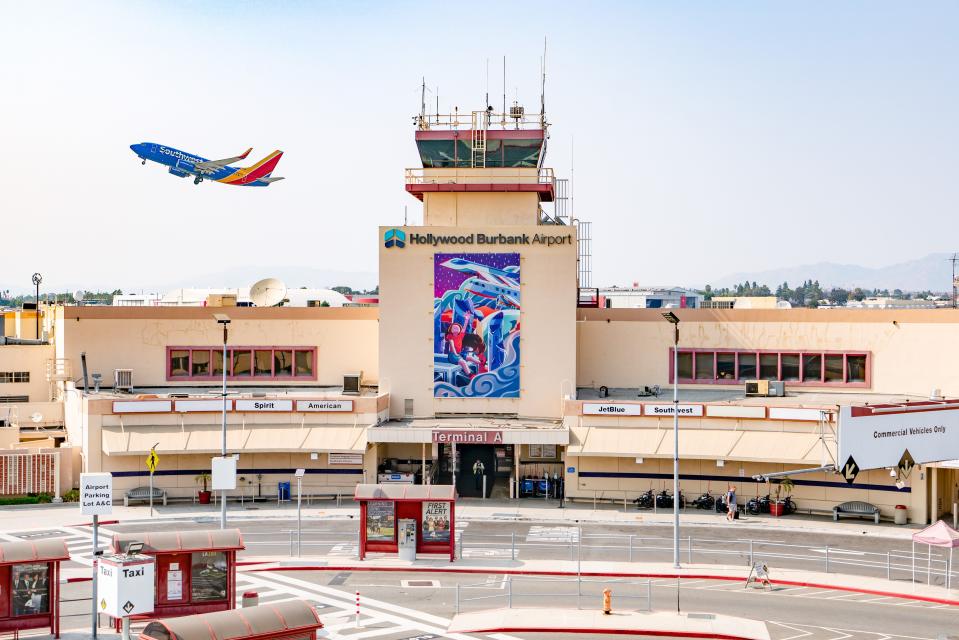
<point>488,175</point>
<point>509,591</point>
<point>930,566</point>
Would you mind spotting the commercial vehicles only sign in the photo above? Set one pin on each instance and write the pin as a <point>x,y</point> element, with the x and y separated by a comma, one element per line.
<point>96,494</point>
<point>878,436</point>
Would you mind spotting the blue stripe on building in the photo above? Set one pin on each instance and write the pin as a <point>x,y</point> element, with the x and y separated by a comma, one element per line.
<point>251,472</point>
<point>740,480</point>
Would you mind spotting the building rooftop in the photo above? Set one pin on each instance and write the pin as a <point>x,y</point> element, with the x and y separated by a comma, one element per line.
<point>214,391</point>
<point>737,396</point>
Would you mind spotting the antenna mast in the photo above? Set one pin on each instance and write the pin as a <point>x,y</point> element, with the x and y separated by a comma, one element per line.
<point>423,103</point>
<point>542,91</point>
<point>955,284</point>
<point>486,104</point>
<point>503,117</point>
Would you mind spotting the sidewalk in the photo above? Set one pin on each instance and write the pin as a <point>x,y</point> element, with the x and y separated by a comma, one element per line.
<point>779,576</point>
<point>527,510</point>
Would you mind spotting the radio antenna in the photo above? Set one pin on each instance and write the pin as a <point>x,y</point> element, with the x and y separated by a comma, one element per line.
<point>955,284</point>
<point>542,91</point>
<point>504,93</point>
<point>423,102</point>
<point>486,104</point>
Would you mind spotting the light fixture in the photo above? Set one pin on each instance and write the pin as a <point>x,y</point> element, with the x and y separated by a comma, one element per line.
<point>892,473</point>
<point>671,317</point>
<point>134,548</point>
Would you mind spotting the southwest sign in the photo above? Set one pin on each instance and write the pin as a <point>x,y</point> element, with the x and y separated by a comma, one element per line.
<point>687,410</point>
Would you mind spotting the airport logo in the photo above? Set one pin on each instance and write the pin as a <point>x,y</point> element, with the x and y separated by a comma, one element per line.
<point>394,238</point>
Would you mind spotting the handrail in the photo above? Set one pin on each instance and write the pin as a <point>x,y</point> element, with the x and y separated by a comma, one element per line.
<point>451,175</point>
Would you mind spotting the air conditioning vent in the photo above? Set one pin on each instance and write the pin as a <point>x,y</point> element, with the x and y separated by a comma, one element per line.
<point>352,383</point>
<point>757,388</point>
<point>123,380</point>
<point>408,408</point>
<point>777,388</point>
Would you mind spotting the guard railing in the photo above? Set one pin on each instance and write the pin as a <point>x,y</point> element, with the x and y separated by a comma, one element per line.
<point>518,591</point>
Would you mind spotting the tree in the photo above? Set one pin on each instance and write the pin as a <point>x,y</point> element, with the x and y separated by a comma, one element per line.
<point>346,291</point>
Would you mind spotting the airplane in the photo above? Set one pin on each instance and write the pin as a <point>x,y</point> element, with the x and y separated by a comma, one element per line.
<point>183,164</point>
<point>488,282</point>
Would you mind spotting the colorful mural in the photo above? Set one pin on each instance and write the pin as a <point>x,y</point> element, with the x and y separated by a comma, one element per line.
<point>476,325</point>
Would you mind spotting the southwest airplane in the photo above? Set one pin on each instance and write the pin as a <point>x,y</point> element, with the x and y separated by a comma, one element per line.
<point>183,164</point>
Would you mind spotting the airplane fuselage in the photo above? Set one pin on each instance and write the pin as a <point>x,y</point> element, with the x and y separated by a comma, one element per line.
<point>183,164</point>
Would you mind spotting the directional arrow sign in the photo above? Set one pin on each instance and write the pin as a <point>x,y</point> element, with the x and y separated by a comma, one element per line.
<point>906,463</point>
<point>850,470</point>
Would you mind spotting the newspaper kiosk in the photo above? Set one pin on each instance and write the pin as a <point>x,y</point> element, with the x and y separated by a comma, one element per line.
<point>195,570</point>
<point>30,585</point>
<point>406,519</point>
<point>293,620</point>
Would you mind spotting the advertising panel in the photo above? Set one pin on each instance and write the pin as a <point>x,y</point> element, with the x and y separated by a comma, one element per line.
<point>380,521</point>
<point>877,438</point>
<point>436,522</point>
<point>476,315</point>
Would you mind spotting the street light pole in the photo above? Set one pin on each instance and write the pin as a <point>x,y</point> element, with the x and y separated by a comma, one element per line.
<point>37,279</point>
<point>223,319</point>
<point>674,320</point>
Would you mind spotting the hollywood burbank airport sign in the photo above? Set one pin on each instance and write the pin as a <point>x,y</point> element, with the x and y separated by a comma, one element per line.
<point>496,239</point>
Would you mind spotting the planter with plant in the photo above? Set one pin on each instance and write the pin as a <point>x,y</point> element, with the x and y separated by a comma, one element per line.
<point>778,506</point>
<point>203,495</point>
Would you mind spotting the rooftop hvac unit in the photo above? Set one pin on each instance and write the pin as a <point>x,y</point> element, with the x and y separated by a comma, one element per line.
<point>123,379</point>
<point>765,388</point>
<point>352,383</point>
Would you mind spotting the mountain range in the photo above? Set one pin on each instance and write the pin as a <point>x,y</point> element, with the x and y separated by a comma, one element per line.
<point>932,272</point>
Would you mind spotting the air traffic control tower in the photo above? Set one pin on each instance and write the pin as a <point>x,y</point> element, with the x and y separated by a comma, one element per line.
<point>477,305</point>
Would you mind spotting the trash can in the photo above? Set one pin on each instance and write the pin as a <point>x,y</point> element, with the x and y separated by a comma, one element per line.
<point>901,514</point>
<point>250,599</point>
<point>283,491</point>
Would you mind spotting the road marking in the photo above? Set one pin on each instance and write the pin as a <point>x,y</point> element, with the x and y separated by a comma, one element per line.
<point>539,533</point>
<point>801,634</point>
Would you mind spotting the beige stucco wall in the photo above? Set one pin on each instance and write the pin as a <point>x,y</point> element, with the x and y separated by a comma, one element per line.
<point>137,338</point>
<point>913,350</point>
<point>469,209</point>
<point>27,357</point>
<point>547,320</point>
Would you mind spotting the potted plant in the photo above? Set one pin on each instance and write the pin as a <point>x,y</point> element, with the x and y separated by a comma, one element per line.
<point>778,506</point>
<point>204,495</point>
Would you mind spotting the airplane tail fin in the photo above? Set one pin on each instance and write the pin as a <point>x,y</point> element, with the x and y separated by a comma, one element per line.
<point>245,153</point>
<point>265,167</point>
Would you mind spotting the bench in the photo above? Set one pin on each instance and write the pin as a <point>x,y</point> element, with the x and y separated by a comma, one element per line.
<point>143,493</point>
<point>855,508</point>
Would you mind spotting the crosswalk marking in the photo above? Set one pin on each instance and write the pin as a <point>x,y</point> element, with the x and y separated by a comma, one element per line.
<point>539,533</point>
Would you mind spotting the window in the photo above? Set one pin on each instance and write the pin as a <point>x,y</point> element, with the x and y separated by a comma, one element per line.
<point>31,589</point>
<point>200,363</point>
<point>706,366</point>
<point>769,366</point>
<point>208,576</point>
<point>262,363</point>
<point>14,376</point>
<point>304,363</point>
<point>243,363</point>
<point>833,368</point>
<point>790,367</point>
<point>855,368</point>
<point>726,366</point>
<point>283,363</point>
<point>179,363</point>
<point>685,365</point>
<point>812,367</point>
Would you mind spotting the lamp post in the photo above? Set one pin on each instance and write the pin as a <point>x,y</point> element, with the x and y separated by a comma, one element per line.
<point>674,320</point>
<point>37,279</point>
<point>223,319</point>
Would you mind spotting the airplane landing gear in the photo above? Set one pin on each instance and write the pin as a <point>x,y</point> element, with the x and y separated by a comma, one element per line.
<point>144,161</point>
<point>197,180</point>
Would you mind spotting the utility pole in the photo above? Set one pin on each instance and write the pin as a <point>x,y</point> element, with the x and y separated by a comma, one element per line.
<point>955,284</point>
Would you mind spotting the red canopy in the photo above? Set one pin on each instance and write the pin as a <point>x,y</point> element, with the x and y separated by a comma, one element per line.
<point>939,534</point>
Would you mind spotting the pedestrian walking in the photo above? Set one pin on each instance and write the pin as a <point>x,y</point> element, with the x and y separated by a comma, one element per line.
<point>731,503</point>
<point>478,470</point>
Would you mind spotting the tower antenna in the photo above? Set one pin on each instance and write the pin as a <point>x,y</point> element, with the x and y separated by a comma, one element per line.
<point>955,284</point>
<point>542,91</point>
<point>504,92</point>
<point>486,104</point>
<point>423,102</point>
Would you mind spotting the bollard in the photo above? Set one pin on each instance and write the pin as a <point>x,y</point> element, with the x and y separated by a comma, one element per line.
<point>607,601</point>
<point>250,599</point>
<point>751,556</point>
<point>357,623</point>
<point>888,567</point>
<point>629,556</point>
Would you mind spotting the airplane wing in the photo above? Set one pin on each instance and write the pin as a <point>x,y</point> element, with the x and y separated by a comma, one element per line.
<point>212,165</point>
<point>270,179</point>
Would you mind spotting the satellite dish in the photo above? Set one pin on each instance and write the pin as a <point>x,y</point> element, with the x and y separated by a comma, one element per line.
<point>268,292</point>
<point>36,417</point>
<point>78,296</point>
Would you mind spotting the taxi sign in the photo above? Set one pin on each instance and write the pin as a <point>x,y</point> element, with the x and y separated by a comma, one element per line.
<point>153,460</point>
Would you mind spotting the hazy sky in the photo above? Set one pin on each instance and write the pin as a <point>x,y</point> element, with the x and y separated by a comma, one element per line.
<point>710,137</point>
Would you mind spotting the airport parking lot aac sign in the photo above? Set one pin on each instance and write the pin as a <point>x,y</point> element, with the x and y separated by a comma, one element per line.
<point>96,494</point>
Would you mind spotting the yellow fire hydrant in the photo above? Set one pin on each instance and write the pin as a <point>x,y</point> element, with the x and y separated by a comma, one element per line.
<point>607,601</point>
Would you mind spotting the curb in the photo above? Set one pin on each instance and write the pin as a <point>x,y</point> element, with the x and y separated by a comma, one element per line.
<point>611,632</point>
<point>600,574</point>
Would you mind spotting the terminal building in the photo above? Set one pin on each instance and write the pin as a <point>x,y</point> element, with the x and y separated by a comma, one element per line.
<point>481,349</point>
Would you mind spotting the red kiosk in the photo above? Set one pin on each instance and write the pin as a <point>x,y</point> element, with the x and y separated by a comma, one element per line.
<point>30,585</point>
<point>195,570</point>
<point>406,519</point>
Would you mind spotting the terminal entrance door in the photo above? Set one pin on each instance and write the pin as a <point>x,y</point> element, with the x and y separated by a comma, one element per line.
<point>497,467</point>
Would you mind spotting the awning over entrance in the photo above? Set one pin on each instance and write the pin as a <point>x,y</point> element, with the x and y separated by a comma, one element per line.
<point>37,551</point>
<point>712,444</point>
<point>258,438</point>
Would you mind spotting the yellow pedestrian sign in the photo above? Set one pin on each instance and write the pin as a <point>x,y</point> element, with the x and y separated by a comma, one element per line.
<point>153,460</point>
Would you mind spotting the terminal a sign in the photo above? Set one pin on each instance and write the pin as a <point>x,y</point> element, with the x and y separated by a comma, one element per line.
<point>490,239</point>
<point>468,436</point>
